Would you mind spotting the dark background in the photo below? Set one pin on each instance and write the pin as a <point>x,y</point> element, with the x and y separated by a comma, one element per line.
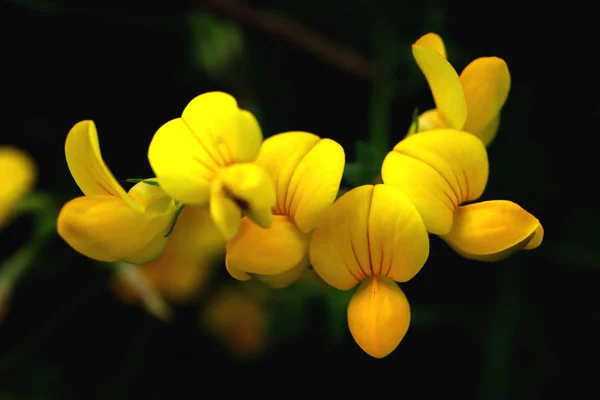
<point>526,327</point>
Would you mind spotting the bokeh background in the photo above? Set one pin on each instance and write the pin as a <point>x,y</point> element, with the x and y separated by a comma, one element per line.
<point>522,328</point>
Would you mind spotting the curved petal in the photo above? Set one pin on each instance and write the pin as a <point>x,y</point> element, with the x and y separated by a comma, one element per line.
<point>224,210</point>
<point>280,154</point>
<point>438,170</point>
<point>235,273</point>
<point>307,175</point>
<point>267,251</point>
<point>252,189</point>
<point>286,278</point>
<point>105,228</point>
<point>492,230</point>
<point>186,264</point>
<point>369,231</point>
<point>444,84</point>
<point>378,316</point>
<point>487,134</point>
<point>229,133</point>
<point>82,151</point>
<point>486,83</point>
<point>434,42</point>
<point>18,173</point>
<point>187,152</point>
<point>427,121</point>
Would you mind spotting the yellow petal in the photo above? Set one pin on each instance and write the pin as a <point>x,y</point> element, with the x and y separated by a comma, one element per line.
<point>267,251</point>
<point>307,172</point>
<point>427,121</point>
<point>225,212</point>
<point>229,133</point>
<point>492,230</point>
<point>239,320</point>
<point>280,154</point>
<point>286,278</point>
<point>18,173</point>
<point>378,316</point>
<point>486,84</point>
<point>444,84</point>
<point>236,273</point>
<point>438,170</point>
<point>106,228</point>
<point>488,133</point>
<point>369,231</point>
<point>187,262</point>
<point>434,42</point>
<point>252,189</point>
<point>82,150</point>
<point>186,153</point>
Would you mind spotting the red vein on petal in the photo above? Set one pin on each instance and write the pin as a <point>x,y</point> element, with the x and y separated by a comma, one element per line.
<point>351,273</point>
<point>468,189</point>
<point>356,258</point>
<point>201,143</point>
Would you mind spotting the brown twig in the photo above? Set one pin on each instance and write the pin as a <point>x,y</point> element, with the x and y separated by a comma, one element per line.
<point>295,33</point>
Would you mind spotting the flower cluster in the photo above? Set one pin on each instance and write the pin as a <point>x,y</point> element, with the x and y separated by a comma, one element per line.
<point>271,206</point>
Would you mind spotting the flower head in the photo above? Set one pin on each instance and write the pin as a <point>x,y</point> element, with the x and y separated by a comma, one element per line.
<point>372,235</point>
<point>18,176</point>
<point>440,170</point>
<point>471,101</point>
<point>108,223</point>
<point>206,157</point>
<point>307,171</point>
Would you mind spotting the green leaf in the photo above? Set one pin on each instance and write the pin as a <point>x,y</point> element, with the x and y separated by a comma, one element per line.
<point>216,43</point>
<point>174,220</point>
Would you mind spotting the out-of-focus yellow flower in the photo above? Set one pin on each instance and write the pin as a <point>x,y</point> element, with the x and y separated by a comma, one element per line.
<point>442,169</point>
<point>207,157</point>
<point>238,317</point>
<point>109,224</point>
<point>18,173</point>
<point>372,235</point>
<point>470,102</point>
<point>307,171</point>
<point>186,264</point>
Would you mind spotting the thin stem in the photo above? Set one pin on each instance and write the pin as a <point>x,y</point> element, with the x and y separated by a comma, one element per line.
<point>298,35</point>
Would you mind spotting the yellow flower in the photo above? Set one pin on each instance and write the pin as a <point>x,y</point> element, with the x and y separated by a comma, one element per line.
<point>470,102</point>
<point>207,157</point>
<point>18,176</point>
<point>374,235</point>
<point>440,170</point>
<point>186,264</point>
<point>109,224</point>
<point>238,317</point>
<point>307,171</point>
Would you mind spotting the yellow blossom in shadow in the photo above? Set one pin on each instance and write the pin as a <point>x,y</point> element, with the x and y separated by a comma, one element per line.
<point>207,157</point>
<point>185,266</point>
<point>307,172</point>
<point>238,317</point>
<point>18,173</point>
<point>374,236</point>
<point>108,223</point>
<point>471,101</point>
<point>441,170</point>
